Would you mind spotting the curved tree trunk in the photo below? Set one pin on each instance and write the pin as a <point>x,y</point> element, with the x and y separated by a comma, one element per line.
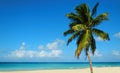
<point>91,69</point>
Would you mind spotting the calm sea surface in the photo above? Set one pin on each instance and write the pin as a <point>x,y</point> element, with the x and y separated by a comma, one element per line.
<point>18,66</point>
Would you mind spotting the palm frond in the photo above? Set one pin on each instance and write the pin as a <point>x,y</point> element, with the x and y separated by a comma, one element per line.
<point>70,31</point>
<point>79,45</point>
<point>73,23</point>
<point>80,37</point>
<point>78,27</point>
<point>93,45</point>
<point>101,34</point>
<point>83,12</point>
<point>94,10</point>
<point>83,42</point>
<point>75,34</point>
<point>100,18</point>
<point>78,50</point>
<point>74,17</point>
<point>86,38</point>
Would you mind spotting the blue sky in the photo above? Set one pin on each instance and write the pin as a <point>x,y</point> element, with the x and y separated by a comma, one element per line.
<point>32,30</point>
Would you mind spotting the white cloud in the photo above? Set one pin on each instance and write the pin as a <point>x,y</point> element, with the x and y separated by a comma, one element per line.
<point>22,53</point>
<point>117,35</point>
<point>18,53</point>
<point>52,53</point>
<point>99,39</point>
<point>30,53</point>
<point>55,53</point>
<point>116,53</point>
<point>50,50</point>
<point>54,45</point>
<point>41,47</point>
<point>42,53</point>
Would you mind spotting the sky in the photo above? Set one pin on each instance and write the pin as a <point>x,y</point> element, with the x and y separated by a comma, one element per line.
<point>32,31</point>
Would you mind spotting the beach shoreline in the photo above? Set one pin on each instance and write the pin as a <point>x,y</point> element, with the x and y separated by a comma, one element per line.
<point>83,70</point>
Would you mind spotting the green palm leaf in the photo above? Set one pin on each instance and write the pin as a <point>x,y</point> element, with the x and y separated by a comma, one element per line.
<point>84,42</point>
<point>74,17</point>
<point>73,23</point>
<point>70,31</point>
<point>96,21</point>
<point>93,45</point>
<point>83,12</point>
<point>79,45</point>
<point>75,34</point>
<point>94,10</point>
<point>78,50</point>
<point>101,34</point>
<point>78,27</point>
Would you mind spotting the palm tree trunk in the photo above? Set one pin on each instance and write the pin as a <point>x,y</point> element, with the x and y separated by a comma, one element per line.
<point>88,55</point>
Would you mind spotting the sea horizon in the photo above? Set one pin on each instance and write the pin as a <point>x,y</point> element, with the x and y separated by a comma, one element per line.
<point>56,62</point>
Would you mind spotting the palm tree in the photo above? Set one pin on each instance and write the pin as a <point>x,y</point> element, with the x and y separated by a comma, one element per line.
<point>82,28</point>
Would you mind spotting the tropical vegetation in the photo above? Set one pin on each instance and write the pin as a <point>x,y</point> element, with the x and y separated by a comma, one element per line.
<point>82,28</point>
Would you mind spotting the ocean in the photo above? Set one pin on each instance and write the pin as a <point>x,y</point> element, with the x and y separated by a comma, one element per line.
<point>23,66</point>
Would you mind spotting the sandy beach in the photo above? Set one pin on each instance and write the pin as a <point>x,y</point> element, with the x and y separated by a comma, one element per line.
<point>86,70</point>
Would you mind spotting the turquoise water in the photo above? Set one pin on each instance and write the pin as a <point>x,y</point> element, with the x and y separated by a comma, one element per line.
<point>18,66</point>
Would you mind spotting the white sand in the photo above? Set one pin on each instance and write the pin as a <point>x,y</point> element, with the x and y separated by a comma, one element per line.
<point>86,70</point>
